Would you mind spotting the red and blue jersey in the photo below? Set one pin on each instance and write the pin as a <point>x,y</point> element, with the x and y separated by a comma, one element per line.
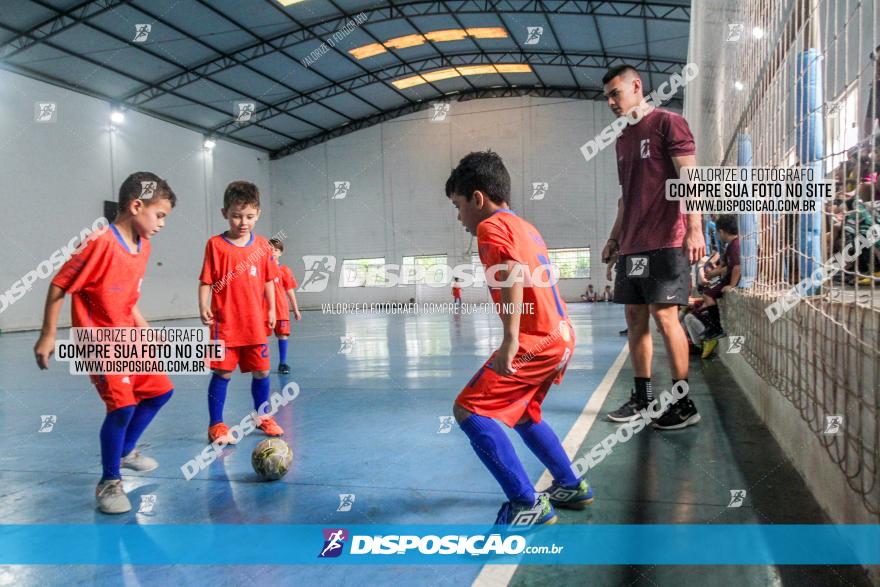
<point>237,276</point>
<point>503,237</point>
<point>283,282</point>
<point>104,280</point>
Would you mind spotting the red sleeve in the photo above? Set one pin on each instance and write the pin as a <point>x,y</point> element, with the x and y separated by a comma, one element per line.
<point>207,275</point>
<point>678,138</point>
<point>83,267</point>
<point>495,245</point>
<point>270,267</point>
<point>288,279</point>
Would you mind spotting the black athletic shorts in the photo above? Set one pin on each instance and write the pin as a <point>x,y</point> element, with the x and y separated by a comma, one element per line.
<point>661,276</point>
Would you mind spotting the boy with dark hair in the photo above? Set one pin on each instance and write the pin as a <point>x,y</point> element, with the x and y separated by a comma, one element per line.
<point>104,282</point>
<point>535,351</point>
<point>238,270</point>
<point>285,284</point>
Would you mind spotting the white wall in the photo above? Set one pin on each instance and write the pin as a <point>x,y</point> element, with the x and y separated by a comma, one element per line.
<point>396,205</point>
<point>57,175</point>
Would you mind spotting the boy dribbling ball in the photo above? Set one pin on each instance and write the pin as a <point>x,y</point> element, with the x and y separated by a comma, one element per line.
<point>533,355</point>
<point>104,281</point>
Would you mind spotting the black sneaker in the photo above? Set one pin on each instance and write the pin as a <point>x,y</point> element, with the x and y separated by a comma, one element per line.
<point>624,332</point>
<point>681,414</point>
<point>284,369</point>
<point>628,411</point>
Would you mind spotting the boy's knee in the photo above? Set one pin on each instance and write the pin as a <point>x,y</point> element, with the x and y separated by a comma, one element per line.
<point>261,374</point>
<point>224,374</point>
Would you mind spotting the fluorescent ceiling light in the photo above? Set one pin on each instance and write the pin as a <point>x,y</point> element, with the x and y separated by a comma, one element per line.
<point>432,76</point>
<point>439,36</point>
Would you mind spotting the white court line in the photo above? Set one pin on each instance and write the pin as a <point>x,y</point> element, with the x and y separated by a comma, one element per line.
<point>500,575</point>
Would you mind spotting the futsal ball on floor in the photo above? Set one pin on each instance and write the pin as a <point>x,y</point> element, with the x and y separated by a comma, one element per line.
<point>271,459</point>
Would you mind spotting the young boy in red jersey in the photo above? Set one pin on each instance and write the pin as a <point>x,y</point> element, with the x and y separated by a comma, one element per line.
<point>285,284</point>
<point>538,343</point>
<point>456,291</point>
<point>104,281</point>
<point>237,300</point>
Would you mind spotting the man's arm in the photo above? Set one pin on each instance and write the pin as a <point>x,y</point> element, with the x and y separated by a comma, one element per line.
<point>694,242</point>
<point>612,246</point>
<point>45,346</point>
<point>511,308</point>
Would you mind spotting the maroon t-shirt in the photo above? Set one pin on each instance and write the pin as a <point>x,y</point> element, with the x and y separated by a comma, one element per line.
<point>731,260</point>
<point>644,163</point>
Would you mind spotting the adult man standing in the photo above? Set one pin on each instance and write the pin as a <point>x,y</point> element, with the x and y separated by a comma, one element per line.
<point>652,241</point>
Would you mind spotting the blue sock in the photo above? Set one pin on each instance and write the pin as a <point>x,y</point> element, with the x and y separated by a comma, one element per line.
<point>143,415</point>
<point>216,398</point>
<point>112,435</point>
<point>496,451</point>
<point>282,350</point>
<point>260,391</point>
<point>542,441</point>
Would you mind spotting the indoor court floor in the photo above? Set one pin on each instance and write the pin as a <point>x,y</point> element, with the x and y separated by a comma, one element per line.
<point>372,423</point>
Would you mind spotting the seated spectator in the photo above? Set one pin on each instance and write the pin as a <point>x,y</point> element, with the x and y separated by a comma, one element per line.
<point>607,295</point>
<point>590,295</point>
<point>729,271</point>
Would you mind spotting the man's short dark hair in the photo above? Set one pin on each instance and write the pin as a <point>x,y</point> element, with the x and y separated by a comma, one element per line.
<point>146,186</point>
<point>276,244</point>
<point>483,171</point>
<point>727,223</point>
<point>242,193</point>
<point>617,70</point>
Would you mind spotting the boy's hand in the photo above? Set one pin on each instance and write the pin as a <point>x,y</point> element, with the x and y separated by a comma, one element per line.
<point>207,316</point>
<point>271,319</point>
<point>44,349</point>
<point>296,314</point>
<point>727,288</point>
<point>503,363</point>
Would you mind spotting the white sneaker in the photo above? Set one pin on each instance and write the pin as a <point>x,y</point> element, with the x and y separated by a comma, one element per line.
<point>111,498</point>
<point>138,462</point>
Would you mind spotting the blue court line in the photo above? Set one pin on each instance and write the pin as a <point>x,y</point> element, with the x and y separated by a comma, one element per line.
<point>662,544</point>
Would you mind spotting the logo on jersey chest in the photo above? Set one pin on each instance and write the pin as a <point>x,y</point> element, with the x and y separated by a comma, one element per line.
<point>645,148</point>
<point>253,270</point>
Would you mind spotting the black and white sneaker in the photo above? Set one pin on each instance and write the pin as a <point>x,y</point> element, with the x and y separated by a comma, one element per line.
<point>681,414</point>
<point>628,411</point>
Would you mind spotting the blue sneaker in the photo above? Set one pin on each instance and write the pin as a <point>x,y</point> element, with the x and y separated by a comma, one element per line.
<point>525,514</point>
<point>571,498</point>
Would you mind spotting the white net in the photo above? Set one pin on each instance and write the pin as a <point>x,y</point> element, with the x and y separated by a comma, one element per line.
<point>794,82</point>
